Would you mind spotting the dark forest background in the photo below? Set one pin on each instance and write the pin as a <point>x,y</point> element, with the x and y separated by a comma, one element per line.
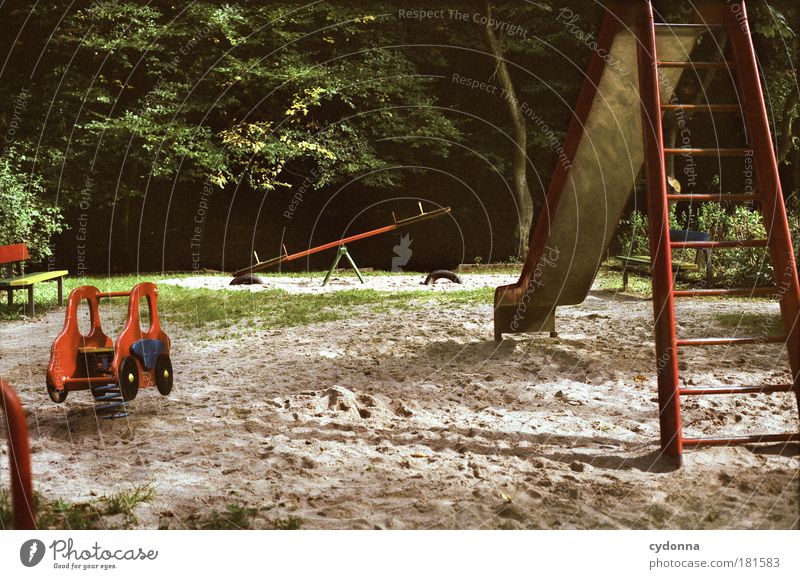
<point>149,136</point>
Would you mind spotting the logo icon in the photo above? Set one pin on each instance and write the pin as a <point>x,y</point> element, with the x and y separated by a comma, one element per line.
<point>31,553</point>
<point>402,253</point>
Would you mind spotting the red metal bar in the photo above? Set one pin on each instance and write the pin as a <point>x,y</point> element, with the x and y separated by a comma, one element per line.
<point>730,197</point>
<point>101,295</point>
<point>697,64</point>
<point>19,457</point>
<point>721,244</point>
<point>742,292</point>
<point>750,439</point>
<point>344,241</point>
<point>686,342</point>
<point>770,389</point>
<point>660,252</point>
<point>710,152</point>
<point>768,181</point>
<point>704,26</point>
<point>721,108</point>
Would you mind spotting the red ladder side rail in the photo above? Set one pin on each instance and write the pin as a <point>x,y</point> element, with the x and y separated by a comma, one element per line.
<point>660,250</point>
<point>768,180</point>
<point>19,458</point>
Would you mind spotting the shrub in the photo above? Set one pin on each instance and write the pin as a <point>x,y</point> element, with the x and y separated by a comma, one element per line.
<point>738,266</point>
<point>632,235</point>
<point>24,217</point>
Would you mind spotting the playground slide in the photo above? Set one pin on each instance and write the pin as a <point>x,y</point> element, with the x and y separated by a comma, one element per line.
<point>595,176</point>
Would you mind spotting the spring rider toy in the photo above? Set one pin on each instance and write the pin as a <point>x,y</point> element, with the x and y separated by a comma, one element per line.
<point>113,372</point>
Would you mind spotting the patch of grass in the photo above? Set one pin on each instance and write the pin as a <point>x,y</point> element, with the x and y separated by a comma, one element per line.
<point>47,293</point>
<point>753,324</point>
<point>125,501</point>
<point>60,514</point>
<point>63,515</point>
<point>51,514</point>
<point>610,279</point>
<point>242,311</point>
<point>234,517</point>
<point>290,523</point>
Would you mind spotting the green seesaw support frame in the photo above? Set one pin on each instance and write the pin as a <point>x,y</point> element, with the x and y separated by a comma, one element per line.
<point>339,254</point>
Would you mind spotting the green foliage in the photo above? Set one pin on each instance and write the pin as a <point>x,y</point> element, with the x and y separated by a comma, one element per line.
<point>24,216</point>
<point>198,91</point>
<point>736,266</point>
<point>632,235</point>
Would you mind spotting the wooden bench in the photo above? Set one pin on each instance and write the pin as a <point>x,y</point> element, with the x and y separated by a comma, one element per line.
<point>18,254</point>
<point>675,235</point>
<point>644,260</point>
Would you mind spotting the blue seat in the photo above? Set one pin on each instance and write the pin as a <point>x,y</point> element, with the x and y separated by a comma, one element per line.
<point>680,235</point>
<point>147,352</point>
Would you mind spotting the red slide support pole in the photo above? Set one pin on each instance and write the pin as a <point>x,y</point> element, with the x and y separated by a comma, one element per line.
<point>19,458</point>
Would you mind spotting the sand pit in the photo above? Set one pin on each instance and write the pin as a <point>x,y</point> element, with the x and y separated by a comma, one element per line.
<point>420,420</point>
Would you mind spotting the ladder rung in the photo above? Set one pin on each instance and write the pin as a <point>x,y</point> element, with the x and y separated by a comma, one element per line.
<point>737,390</point>
<point>697,64</point>
<point>743,292</point>
<point>710,152</point>
<point>688,26</point>
<point>718,108</point>
<point>731,341</point>
<point>727,243</point>
<point>727,198</point>
<point>750,439</point>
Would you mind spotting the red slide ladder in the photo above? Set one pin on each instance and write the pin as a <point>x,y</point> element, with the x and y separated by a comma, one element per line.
<point>730,17</point>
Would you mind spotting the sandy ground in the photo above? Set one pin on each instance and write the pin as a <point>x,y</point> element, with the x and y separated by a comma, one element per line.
<point>421,421</point>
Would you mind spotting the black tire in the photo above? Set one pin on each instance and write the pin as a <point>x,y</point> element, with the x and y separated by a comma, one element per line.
<point>164,375</point>
<point>56,395</point>
<point>128,378</point>
<point>435,276</point>
<point>247,279</point>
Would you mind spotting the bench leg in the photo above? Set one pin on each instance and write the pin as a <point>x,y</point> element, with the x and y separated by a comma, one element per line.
<point>30,308</point>
<point>60,283</point>
<point>10,296</point>
<point>625,279</point>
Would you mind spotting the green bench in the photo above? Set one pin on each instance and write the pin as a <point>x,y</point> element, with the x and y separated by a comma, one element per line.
<point>18,254</point>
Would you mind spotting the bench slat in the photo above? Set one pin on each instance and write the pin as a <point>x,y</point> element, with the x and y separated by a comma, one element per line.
<point>32,278</point>
<point>642,260</point>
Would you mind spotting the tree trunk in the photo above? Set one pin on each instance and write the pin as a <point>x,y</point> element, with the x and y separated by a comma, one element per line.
<point>519,160</point>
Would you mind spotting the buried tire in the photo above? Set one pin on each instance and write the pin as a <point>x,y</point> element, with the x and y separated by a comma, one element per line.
<point>164,375</point>
<point>128,378</point>
<point>435,276</point>
<point>247,279</point>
